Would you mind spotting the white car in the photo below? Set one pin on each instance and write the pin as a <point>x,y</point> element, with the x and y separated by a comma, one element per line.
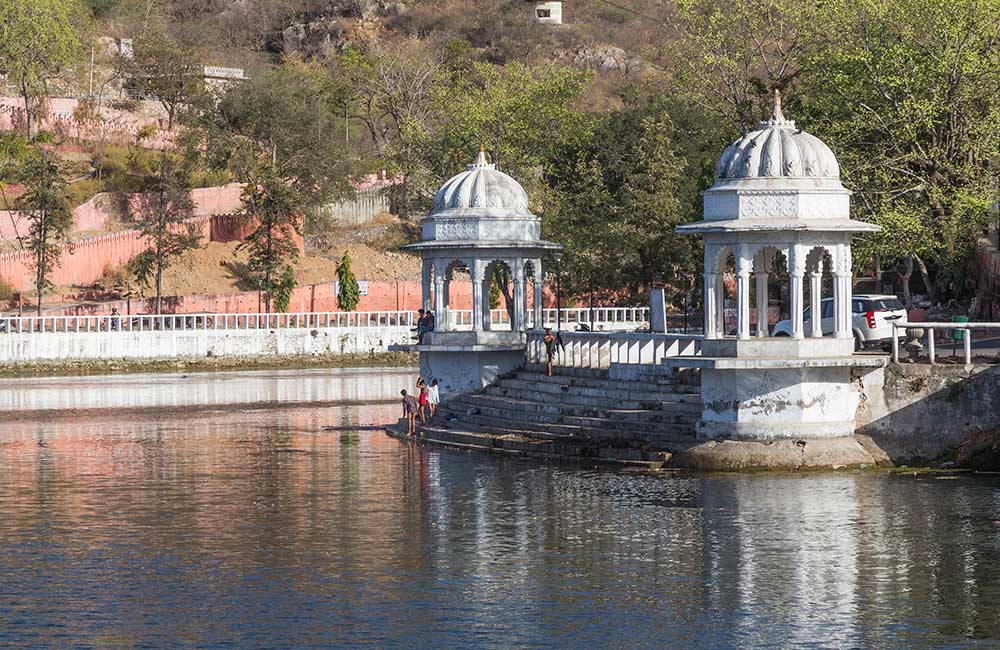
<point>872,317</point>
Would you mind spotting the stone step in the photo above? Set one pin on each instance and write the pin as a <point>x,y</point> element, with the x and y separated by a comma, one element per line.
<point>637,393</point>
<point>687,411</point>
<point>582,373</point>
<point>676,435</point>
<point>662,385</point>
<point>571,425</point>
<point>680,403</point>
<point>515,444</point>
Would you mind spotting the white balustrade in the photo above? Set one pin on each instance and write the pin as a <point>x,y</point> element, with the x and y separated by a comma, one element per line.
<point>598,350</point>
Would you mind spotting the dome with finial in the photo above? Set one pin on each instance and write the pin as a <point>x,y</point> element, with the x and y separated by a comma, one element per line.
<point>482,204</point>
<point>481,187</point>
<point>777,149</point>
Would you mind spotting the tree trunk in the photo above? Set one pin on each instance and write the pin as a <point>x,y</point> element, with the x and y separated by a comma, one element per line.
<point>27,110</point>
<point>159,284</point>
<point>926,277</point>
<point>878,273</point>
<point>907,273</point>
<point>503,282</point>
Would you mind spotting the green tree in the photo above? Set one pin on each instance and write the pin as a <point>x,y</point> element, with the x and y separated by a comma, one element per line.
<point>45,208</point>
<point>38,40</point>
<point>165,70</point>
<point>278,134</point>
<point>348,292</point>
<point>275,209</point>
<point>160,214</point>
<point>908,95</point>
<point>285,286</point>
<point>618,200</point>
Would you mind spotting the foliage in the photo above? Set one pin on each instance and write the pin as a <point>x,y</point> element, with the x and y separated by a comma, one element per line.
<point>38,40</point>
<point>7,292</point>
<point>494,293</point>
<point>283,289</point>
<point>164,70</point>
<point>273,207</point>
<point>277,134</point>
<point>348,293</point>
<point>908,94</point>
<point>619,199</point>
<point>43,205</point>
<point>160,214</point>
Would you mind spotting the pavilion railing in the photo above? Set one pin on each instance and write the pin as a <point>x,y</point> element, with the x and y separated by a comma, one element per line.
<point>955,335</point>
<point>597,350</point>
<point>604,318</point>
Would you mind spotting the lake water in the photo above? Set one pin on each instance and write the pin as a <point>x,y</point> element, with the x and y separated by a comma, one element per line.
<point>213,510</point>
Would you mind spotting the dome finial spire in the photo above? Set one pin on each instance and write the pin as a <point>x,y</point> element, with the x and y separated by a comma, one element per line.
<point>779,117</point>
<point>481,161</point>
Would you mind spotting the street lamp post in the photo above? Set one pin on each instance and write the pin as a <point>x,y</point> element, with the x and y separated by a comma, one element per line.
<point>558,257</point>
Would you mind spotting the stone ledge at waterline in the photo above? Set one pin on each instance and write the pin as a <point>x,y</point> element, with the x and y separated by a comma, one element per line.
<point>194,344</point>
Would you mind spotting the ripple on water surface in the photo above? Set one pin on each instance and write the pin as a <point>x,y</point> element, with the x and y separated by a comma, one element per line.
<point>214,510</point>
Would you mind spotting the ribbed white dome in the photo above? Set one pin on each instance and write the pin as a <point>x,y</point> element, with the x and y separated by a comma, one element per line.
<point>775,150</point>
<point>481,185</point>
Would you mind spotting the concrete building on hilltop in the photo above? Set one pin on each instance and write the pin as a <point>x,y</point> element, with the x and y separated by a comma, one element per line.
<point>547,13</point>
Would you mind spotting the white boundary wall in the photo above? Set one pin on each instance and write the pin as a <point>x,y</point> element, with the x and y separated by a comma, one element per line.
<point>197,344</point>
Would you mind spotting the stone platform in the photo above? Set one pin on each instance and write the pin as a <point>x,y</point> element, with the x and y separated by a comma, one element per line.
<point>586,416</point>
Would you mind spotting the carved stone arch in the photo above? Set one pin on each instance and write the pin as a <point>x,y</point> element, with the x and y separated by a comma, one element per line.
<point>722,255</point>
<point>815,256</point>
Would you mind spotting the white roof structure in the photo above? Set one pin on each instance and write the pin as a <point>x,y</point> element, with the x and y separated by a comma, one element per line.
<point>481,207</point>
<point>777,177</point>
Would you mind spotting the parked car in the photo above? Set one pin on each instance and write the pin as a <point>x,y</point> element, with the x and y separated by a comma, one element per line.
<point>872,317</point>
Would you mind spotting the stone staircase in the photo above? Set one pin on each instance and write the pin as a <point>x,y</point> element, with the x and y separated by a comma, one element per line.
<point>581,414</point>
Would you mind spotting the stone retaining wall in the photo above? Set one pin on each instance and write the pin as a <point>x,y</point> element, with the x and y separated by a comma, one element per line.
<point>921,412</point>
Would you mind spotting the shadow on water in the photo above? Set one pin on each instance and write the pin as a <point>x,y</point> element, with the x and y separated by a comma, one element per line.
<point>199,526</point>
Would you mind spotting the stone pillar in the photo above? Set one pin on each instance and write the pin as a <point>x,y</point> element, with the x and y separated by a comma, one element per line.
<point>743,299</point>
<point>539,302</point>
<point>425,285</point>
<point>796,295</point>
<point>842,305</point>
<point>816,302</point>
<point>476,273</point>
<point>517,325</point>
<point>440,303</point>
<point>761,278</point>
<point>711,306</point>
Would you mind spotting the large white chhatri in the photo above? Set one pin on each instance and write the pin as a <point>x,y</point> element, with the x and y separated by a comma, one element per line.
<point>778,206</point>
<point>480,222</point>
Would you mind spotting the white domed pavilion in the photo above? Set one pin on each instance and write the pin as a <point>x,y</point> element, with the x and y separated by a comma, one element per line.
<point>480,220</point>
<point>778,198</point>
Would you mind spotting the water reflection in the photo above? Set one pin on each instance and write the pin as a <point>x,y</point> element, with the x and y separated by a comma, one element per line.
<point>233,523</point>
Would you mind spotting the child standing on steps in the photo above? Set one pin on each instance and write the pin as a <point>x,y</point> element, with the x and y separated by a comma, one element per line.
<point>410,408</point>
<point>433,396</point>
<point>422,402</point>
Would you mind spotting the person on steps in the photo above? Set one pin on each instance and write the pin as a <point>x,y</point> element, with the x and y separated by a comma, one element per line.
<point>433,397</point>
<point>550,350</point>
<point>409,412</point>
<point>422,401</point>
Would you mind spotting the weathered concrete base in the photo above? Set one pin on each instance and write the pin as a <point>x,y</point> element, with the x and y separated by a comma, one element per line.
<point>468,370</point>
<point>773,403</point>
<point>781,455</point>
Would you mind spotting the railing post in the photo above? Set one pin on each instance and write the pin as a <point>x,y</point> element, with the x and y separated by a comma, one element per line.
<point>967,340</point>
<point>895,343</point>
<point>930,344</point>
